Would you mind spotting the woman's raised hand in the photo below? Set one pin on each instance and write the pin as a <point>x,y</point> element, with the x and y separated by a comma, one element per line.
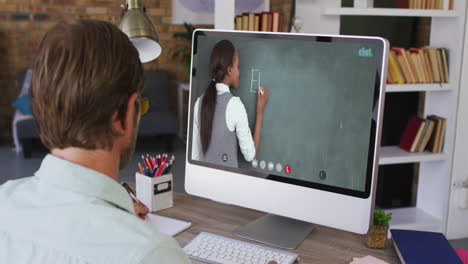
<point>262,98</point>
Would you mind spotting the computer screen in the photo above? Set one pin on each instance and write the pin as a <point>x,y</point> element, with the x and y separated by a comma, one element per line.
<point>319,124</point>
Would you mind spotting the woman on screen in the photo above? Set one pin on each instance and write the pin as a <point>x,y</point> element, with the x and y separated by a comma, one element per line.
<point>221,125</point>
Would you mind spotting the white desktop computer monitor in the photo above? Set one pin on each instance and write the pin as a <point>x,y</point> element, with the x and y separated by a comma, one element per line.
<point>317,158</point>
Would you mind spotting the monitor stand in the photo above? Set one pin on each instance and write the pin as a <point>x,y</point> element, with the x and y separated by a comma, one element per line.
<point>275,230</point>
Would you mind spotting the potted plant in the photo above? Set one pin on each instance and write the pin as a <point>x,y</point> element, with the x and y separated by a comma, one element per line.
<point>183,51</point>
<point>377,235</point>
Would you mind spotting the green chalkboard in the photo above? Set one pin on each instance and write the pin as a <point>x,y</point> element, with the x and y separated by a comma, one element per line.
<point>319,112</point>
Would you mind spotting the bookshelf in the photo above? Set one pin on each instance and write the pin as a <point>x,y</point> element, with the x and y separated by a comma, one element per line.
<point>395,155</point>
<point>431,87</point>
<point>435,169</point>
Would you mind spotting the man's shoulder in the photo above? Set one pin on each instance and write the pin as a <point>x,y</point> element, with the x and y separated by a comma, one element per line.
<point>9,187</point>
<point>79,224</point>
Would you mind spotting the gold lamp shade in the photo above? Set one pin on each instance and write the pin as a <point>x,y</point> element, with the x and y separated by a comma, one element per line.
<point>140,30</point>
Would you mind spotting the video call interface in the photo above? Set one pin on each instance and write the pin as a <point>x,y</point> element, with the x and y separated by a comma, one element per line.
<point>319,122</point>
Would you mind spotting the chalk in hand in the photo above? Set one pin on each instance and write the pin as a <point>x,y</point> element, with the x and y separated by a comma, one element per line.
<point>261,91</point>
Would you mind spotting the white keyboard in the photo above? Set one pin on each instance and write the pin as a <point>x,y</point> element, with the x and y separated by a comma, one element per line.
<point>216,249</point>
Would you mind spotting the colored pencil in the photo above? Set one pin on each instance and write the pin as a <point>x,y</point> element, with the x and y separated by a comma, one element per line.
<point>141,168</point>
<point>160,169</point>
<point>145,161</point>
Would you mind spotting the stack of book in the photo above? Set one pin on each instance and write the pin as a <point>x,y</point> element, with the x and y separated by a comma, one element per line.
<point>424,65</point>
<point>265,21</point>
<point>423,4</point>
<point>424,134</point>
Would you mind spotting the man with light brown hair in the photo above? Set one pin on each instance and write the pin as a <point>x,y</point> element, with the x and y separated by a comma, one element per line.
<point>85,95</point>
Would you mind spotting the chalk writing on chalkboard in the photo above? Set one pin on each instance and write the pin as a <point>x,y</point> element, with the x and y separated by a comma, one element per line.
<point>255,81</point>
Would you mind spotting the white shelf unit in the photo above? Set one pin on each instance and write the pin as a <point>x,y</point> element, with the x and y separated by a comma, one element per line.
<point>435,170</point>
<point>416,219</point>
<point>431,87</point>
<point>397,12</point>
<point>396,155</point>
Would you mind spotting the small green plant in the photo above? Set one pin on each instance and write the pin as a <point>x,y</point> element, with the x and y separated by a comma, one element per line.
<point>381,219</point>
<point>183,51</point>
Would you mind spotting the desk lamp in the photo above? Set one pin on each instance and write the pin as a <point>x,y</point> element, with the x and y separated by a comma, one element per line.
<point>140,30</point>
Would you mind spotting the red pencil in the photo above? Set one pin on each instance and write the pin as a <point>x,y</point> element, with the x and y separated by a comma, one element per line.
<point>160,169</point>
<point>155,170</point>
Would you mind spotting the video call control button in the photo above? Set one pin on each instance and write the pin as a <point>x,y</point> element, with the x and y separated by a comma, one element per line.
<point>323,175</point>
<point>271,166</point>
<point>287,169</point>
<point>255,163</point>
<point>262,164</point>
<point>279,167</point>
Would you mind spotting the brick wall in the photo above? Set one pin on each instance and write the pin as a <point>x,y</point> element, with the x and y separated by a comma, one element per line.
<point>24,22</point>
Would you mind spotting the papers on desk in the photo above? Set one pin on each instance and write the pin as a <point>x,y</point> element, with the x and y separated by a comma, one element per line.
<point>367,260</point>
<point>166,225</point>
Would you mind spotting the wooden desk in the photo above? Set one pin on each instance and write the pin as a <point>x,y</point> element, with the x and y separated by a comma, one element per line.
<point>323,245</point>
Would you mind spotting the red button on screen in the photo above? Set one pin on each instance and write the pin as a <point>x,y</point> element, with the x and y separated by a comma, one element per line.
<point>287,169</point>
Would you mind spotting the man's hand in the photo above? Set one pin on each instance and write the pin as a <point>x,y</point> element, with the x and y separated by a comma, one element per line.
<point>140,209</point>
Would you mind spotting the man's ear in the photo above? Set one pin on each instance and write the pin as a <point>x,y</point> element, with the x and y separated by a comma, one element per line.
<point>125,123</point>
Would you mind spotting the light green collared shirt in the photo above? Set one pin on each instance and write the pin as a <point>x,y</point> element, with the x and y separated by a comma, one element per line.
<point>67,213</point>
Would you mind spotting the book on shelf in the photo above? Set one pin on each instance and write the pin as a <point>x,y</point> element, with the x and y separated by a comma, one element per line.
<point>245,21</point>
<point>265,21</point>
<point>418,66</point>
<point>445,64</point>
<point>238,23</point>
<point>395,70</point>
<point>432,53</point>
<point>418,137</point>
<point>423,65</point>
<point>411,132</point>
<point>437,141</point>
<point>269,21</point>
<point>402,60</point>
<point>422,4</point>
<point>424,134</point>
<point>257,22</point>
<point>275,24</point>
<point>251,18</point>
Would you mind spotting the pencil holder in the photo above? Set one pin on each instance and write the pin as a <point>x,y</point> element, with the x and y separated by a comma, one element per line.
<point>154,192</point>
